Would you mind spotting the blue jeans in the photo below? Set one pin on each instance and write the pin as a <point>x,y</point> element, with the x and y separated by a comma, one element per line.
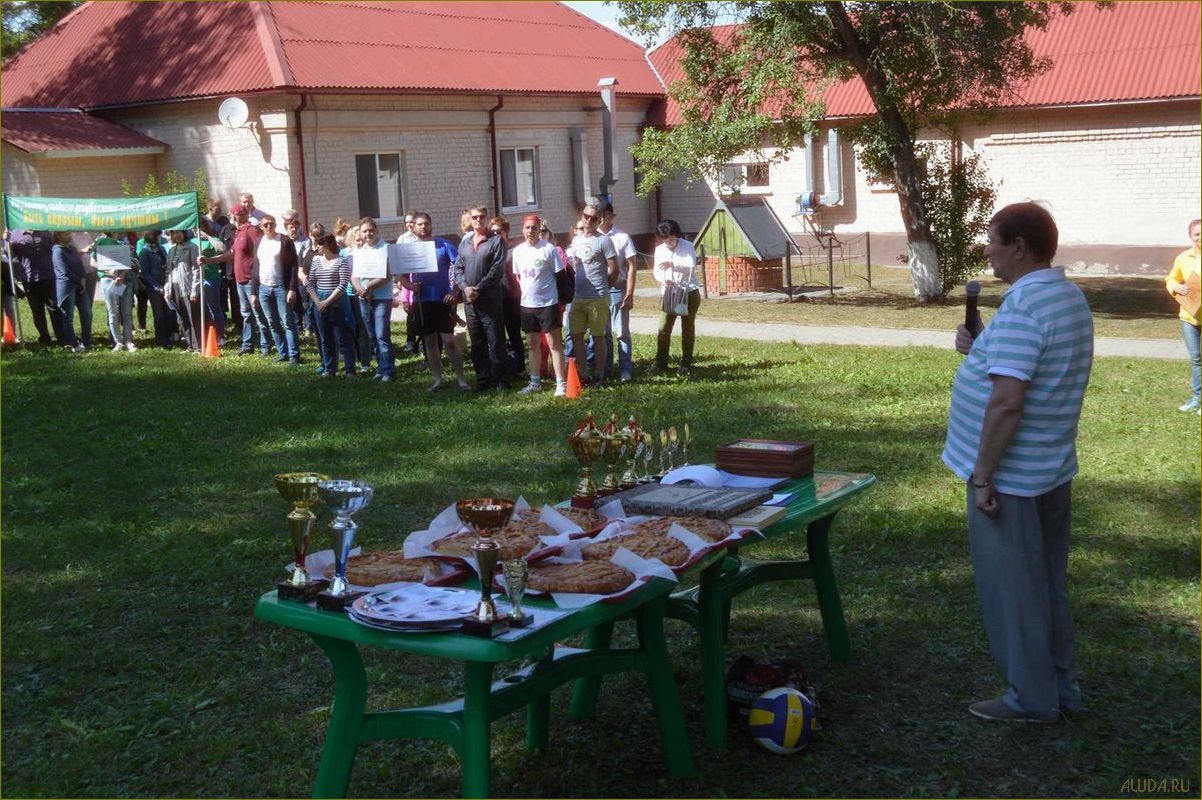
<point>214,311</point>
<point>377,314</point>
<point>68,295</point>
<point>253,322</point>
<point>619,325</point>
<point>335,335</point>
<point>1190,334</point>
<point>120,310</point>
<point>280,319</point>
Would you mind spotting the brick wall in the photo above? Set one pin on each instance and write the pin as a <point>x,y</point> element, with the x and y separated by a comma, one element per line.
<point>71,177</point>
<point>743,275</point>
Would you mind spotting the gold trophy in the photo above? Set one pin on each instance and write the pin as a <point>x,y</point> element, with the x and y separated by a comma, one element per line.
<point>485,516</point>
<point>634,444</point>
<point>300,489</point>
<point>611,454</point>
<point>586,442</point>
<point>517,573</point>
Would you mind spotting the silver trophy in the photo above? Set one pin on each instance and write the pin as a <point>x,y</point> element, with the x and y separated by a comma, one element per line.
<point>344,498</point>
<point>517,574</point>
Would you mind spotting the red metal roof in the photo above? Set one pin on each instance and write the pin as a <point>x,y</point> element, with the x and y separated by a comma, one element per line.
<point>1130,51</point>
<point>59,131</point>
<point>172,50</point>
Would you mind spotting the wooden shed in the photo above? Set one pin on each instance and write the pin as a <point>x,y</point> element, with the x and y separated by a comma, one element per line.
<point>746,248</point>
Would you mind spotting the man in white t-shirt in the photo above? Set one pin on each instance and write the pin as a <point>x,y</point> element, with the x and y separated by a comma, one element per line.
<point>536,263</point>
<point>621,297</point>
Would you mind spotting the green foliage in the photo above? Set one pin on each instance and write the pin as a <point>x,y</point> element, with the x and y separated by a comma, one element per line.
<point>22,22</point>
<point>173,183</point>
<point>959,197</point>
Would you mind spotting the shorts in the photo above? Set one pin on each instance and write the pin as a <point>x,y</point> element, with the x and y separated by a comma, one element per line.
<point>435,318</point>
<point>589,315</point>
<point>544,320</point>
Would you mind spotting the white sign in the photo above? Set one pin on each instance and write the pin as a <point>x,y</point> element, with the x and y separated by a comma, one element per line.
<point>409,257</point>
<point>112,257</point>
<point>369,262</point>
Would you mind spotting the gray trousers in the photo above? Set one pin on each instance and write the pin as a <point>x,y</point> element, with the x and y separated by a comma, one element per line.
<point>1020,561</point>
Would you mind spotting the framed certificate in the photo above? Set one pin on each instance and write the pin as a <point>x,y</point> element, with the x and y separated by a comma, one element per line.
<point>370,262</point>
<point>410,257</point>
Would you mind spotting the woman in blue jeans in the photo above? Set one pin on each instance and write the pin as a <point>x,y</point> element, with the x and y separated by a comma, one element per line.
<point>375,300</point>
<point>69,277</point>
<point>329,274</point>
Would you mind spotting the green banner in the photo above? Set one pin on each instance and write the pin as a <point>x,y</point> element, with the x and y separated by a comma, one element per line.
<point>166,212</point>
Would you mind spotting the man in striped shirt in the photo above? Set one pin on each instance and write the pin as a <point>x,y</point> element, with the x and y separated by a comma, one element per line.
<point>1012,431</point>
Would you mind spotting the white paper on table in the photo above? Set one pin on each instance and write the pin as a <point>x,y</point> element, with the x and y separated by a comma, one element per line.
<point>733,481</point>
<point>316,563</point>
<point>409,257</point>
<point>699,474</point>
<point>561,524</point>
<point>613,510</point>
<point>370,262</point>
<point>781,499</point>
<point>112,257</point>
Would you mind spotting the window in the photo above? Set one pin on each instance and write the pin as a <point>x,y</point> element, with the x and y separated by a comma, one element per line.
<point>379,177</point>
<point>519,178</point>
<point>745,176</point>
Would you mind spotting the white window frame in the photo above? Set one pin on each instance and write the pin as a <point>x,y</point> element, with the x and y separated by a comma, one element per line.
<point>520,207</point>
<point>404,190</point>
<point>743,187</point>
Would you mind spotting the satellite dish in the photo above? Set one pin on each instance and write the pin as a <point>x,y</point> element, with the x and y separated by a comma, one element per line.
<point>233,112</point>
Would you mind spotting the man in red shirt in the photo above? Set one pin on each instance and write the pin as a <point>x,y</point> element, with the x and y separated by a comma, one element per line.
<point>242,253</point>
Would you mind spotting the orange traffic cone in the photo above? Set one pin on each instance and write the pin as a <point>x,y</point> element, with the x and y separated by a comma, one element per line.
<point>211,350</point>
<point>9,336</point>
<point>573,379</point>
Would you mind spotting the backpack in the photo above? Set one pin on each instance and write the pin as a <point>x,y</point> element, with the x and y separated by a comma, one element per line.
<point>565,284</point>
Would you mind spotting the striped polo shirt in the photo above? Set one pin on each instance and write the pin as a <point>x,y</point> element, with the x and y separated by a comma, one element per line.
<point>1042,334</point>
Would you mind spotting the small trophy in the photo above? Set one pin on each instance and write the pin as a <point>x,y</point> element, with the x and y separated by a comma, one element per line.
<point>484,516</point>
<point>634,448</point>
<point>300,489</point>
<point>685,441</point>
<point>665,456</point>
<point>517,572</point>
<point>586,443</point>
<point>344,498</point>
<point>648,457</point>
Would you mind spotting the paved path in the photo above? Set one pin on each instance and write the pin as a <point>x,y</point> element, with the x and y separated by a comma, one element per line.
<point>893,337</point>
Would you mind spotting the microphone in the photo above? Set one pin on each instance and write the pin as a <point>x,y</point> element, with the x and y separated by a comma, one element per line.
<point>971,289</point>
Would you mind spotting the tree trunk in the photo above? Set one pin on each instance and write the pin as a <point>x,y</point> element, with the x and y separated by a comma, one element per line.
<point>924,265</point>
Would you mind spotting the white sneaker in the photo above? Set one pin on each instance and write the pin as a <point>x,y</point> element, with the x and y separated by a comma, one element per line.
<point>1192,405</point>
<point>118,347</point>
<point>131,347</point>
<point>531,388</point>
<point>561,390</point>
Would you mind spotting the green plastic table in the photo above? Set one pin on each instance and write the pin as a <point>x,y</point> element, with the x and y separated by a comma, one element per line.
<point>464,723</point>
<point>707,606</point>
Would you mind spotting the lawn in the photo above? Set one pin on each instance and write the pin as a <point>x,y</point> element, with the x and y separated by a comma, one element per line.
<point>1128,307</point>
<point>140,524</point>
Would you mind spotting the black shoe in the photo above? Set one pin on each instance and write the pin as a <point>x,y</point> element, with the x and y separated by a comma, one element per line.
<point>281,359</point>
<point>481,388</point>
<point>245,352</point>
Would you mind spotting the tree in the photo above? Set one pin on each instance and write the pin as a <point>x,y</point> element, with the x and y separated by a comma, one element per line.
<point>22,22</point>
<point>762,81</point>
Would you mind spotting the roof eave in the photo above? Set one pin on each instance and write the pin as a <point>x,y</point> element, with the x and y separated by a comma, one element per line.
<point>98,152</point>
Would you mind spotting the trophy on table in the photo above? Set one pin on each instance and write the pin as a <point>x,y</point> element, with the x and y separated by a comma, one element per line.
<point>485,516</point>
<point>586,442</point>
<point>665,455</point>
<point>612,453</point>
<point>344,498</point>
<point>648,457</point>
<point>633,449</point>
<point>685,441</point>
<point>300,489</point>
<point>517,573</point>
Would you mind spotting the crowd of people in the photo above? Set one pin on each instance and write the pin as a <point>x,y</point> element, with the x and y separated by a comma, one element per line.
<point>278,284</point>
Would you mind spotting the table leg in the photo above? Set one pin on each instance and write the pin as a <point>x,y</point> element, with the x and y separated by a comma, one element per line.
<point>474,755</point>
<point>818,545</point>
<point>538,718</point>
<point>713,611</point>
<point>584,693</point>
<point>346,719</point>
<point>669,716</point>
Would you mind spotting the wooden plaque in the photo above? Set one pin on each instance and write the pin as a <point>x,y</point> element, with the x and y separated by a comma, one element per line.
<point>701,501</point>
<point>1191,302</point>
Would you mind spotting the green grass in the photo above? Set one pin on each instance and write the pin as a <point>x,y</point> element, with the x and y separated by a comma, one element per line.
<point>1123,307</point>
<point>140,524</point>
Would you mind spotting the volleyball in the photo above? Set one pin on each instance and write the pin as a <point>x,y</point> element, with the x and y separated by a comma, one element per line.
<point>782,720</point>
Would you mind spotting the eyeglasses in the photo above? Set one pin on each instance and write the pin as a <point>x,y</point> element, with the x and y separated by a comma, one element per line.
<point>589,216</point>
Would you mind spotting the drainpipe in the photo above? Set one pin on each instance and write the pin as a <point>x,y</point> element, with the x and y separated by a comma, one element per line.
<point>809,200</point>
<point>492,138</point>
<point>300,149</point>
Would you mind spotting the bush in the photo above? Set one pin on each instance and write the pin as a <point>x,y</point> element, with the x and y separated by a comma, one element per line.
<point>959,200</point>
